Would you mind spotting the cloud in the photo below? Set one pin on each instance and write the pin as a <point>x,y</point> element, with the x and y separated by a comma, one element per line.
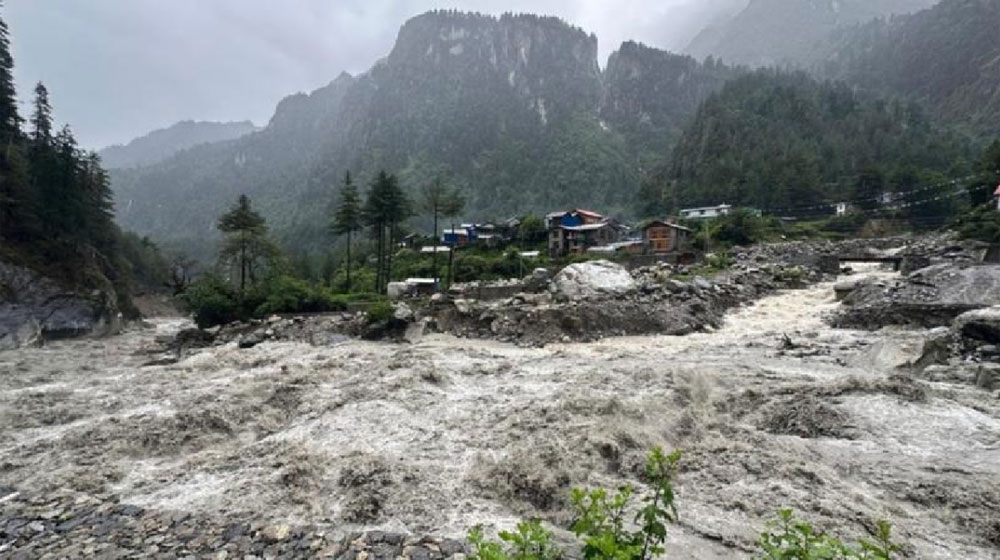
<point>120,68</point>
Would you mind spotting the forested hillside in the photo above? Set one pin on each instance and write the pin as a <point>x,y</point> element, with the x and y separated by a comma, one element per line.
<point>650,95</point>
<point>947,57</point>
<point>785,143</point>
<point>56,212</point>
<point>781,32</point>
<point>515,111</point>
<point>162,144</point>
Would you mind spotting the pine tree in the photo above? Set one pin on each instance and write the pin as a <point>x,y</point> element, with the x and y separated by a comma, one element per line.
<point>440,201</point>
<point>10,120</point>
<point>385,208</point>
<point>41,119</point>
<point>246,239</point>
<point>348,218</point>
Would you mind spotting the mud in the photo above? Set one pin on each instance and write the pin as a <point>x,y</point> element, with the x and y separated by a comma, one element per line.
<point>773,409</point>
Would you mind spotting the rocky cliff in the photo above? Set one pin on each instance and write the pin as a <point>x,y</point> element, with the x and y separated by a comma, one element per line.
<point>34,308</point>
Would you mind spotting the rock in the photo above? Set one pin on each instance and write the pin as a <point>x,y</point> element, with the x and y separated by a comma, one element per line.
<point>591,279</point>
<point>399,290</point>
<point>988,378</point>
<point>277,532</point>
<point>249,341</point>
<point>463,306</point>
<point>936,350</point>
<point>892,354</point>
<point>27,333</point>
<point>702,284</point>
<point>676,286</point>
<point>402,312</point>
<point>35,308</point>
<point>537,281</point>
<point>415,331</point>
<point>844,289</point>
<point>981,325</point>
<point>931,297</point>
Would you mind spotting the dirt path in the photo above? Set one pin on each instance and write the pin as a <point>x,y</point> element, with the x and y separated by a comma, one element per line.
<point>435,437</point>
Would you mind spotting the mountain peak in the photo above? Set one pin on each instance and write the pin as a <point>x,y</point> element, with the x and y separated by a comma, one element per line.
<point>163,143</point>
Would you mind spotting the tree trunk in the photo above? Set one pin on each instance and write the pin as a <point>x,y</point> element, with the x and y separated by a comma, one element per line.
<point>348,262</point>
<point>451,254</point>
<point>243,265</point>
<point>437,275</point>
<point>392,247</point>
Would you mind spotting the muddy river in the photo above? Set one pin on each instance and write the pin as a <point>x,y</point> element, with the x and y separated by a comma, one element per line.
<point>773,410</point>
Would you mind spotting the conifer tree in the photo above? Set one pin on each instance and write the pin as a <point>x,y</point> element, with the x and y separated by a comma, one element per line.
<point>348,218</point>
<point>10,120</point>
<point>41,119</point>
<point>246,240</point>
<point>385,208</point>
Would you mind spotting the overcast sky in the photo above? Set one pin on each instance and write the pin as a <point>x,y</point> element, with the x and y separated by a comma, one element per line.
<point>117,69</point>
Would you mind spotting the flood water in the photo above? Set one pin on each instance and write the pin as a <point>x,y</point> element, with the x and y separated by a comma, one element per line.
<point>773,410</point>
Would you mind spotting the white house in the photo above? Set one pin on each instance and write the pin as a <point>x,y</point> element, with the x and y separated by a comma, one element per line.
<point>707,212</point>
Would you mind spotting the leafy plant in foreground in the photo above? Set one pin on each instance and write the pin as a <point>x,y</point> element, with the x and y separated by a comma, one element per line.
<point>600,522</point>
<point>601,519</point>
<point>530,541</point>
<point>790,539</point>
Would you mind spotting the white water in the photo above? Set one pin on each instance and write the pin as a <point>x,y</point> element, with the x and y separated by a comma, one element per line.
<point>436,437</point>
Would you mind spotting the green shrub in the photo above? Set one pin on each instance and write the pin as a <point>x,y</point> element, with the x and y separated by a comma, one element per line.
<point>602,525</point>
<point>600,522</point>
<point>381,311</point>
<point>286,294</point>
<point>789,539</point>
<point>981,224</point>
<point>530,542</point>
<point>213,302</point>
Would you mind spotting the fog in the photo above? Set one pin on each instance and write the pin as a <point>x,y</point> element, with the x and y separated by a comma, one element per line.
<point>117,69</point>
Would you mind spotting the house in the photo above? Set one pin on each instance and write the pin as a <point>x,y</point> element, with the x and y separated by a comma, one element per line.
<point>458,237</point>
<point>842,209</point>
<point>576,231</point>
<point>706,212</point>
<point>660,237</point>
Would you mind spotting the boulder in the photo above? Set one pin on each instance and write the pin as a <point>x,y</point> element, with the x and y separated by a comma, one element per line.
<point>35,308</point>
<point>402,312</point>
<point>982,325</point>
<point>249,341</point>
<point>931,297</point>
<point>22,332</point>
<point>591,279</point>
<point>538,280</point>
<point>844,289</point>
<point>400,290</point>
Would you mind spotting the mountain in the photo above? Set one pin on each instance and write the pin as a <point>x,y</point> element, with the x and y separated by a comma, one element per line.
<point>161,144</point>
<point>948,57</point>
<point>786,143</point>
<point>650,95</point>
<point>780,32</point>
<point>515,110</point>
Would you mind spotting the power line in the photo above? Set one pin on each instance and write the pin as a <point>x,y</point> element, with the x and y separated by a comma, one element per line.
<point>833,205</point>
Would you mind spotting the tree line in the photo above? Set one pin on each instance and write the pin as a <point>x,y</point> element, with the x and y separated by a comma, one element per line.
<point>56,209</point>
